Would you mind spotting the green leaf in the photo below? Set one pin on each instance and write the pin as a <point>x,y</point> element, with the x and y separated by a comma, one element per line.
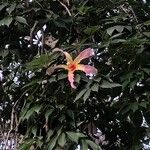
<point>62,140</point>
<point>146,70</point>
<point>73,136</point>
<point>80,94</point>
<point>32,83</point>
<point>84,145</point>
<point>106,84</point>
<point>34,109</point>
<point>147,23</point>
<point>21,20</point>
<point>34,130</point>
<point>49,134</point>
<point>92,29</point>
<point>52,143</point>
<point>40,62</point>
<point>112,29</point>
<point>37,108</point>
<point>29,113</point>
<point>95,87</point>
<point>48,113</point>
<point>62,76</point>
<point>128,28</point>
<point>93,145</point>
<point>3,6</point>
<point>134,106</point>
<point>11,8</point>
<point>27,144</point>
<point>4,53</point>
<point>87,95</point>
<point>6,21</point>
<point>143,104</point>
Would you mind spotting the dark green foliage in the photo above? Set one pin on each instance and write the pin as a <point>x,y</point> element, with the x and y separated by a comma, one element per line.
<point>111,110</point>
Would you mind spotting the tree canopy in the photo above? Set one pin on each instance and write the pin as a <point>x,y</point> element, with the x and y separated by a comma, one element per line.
<point>109,110</point>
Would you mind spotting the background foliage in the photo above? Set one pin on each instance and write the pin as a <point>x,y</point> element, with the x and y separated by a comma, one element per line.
<point>110,111</point>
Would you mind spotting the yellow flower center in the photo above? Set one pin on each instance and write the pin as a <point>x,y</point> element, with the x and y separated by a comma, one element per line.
<point>72,67</point>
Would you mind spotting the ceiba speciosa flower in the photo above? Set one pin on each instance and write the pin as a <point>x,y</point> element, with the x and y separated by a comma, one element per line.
<point>73,65</point>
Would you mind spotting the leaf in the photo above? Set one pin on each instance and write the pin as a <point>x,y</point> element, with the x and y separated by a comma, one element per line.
<point>11,8</point>
<point>4,53</point>
<point>62,140</point>
<point>93,145</point>
<point>48,113</point>
<point>49,134</point>
<point>80,94</point>
<point>40,62</point>
<point>95,87</point>
<point>29,114</point>
<point>3,6</point>
<point>86,95</point>
<point>52,142</point>
<point>146,70</point>
<point>147,34</point>
<point>119,28</point>
<point>37,108</point>
<point>106,84</point>
<point>27,144</point>
<point>92,29</point>
<point>73,136</point>
<point>147,23</point>
<point>112,29</point>
<point>62,76</point>
<point>84,145</point>
<point>21,20</point>
<point>31,111</point>
<point>34,82</point>
<point>6,21</point>
<point>34,130</point>
<point>115,41</point>
<point>143,104</point>
<point>24,111</point>
<point>128,28</point>
<point>134,106</point>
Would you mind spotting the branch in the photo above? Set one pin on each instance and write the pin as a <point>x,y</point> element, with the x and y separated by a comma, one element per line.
<point>31,32</point>
<point>13,119</point>
<point>68,11</point>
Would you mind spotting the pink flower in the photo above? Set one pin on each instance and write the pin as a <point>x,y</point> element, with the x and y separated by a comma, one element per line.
<point>73,65</point>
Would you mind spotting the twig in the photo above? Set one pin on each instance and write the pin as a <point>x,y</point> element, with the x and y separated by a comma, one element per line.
<point>43,42</point>
<point>68,11</point>
<point>13,118</point>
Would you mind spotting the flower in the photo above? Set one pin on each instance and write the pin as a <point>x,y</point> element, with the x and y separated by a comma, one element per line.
<point>1,75</point>
<point>73,65</point>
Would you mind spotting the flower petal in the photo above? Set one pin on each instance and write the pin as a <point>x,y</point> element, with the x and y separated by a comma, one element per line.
<point>50,70</point>
<point>1,75</point>
<point>84,54</point>
<point>87,69</point>
<point>71,79</point>
<point>68,56</point>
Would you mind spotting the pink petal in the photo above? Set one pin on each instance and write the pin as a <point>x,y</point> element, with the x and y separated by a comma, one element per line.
<point>84,54</point>
<point>50,70</point>
<point>68,56</point>
<point>87,69</point>
<point>71,79</point>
